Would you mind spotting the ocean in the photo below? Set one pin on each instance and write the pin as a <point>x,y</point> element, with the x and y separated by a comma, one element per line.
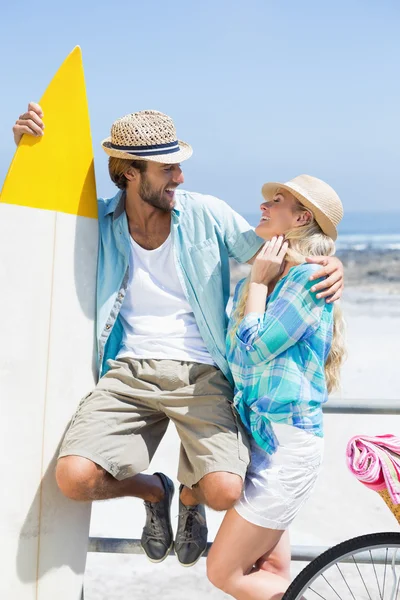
<point>362,231</point>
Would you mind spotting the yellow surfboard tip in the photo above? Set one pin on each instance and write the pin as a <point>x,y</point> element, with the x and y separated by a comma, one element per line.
<point>55,172</point>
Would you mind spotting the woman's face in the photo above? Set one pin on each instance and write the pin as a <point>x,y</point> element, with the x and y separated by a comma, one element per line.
<point>280,215</point>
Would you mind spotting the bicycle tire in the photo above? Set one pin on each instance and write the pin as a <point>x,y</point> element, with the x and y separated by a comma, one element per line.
<point>338,554</point>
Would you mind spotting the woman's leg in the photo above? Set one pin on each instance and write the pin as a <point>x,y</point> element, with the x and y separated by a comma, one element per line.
<point>278,559</point>
<point>234,553</point>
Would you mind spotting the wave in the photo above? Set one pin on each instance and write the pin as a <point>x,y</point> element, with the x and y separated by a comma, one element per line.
<point>361,242</point>
<point>357,231</point>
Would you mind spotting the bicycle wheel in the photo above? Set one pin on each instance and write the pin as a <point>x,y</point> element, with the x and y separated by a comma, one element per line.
<point>362,568</point>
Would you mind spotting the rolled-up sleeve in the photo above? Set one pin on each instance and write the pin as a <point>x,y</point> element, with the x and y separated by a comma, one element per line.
<point>294,315</point>
<point>240,238</point>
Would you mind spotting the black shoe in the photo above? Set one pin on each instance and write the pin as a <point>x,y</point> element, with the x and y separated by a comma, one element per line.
<point>157,537</point>
<point>191,535</point>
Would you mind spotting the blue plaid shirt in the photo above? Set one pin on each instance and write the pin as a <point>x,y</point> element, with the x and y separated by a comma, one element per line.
<point>277,358</point>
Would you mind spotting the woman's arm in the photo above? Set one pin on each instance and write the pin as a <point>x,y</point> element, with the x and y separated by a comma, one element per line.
<point>295,314</point>
<point>267,266</point>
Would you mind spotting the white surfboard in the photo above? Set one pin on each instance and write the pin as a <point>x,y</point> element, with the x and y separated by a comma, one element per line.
<point>48,252</point>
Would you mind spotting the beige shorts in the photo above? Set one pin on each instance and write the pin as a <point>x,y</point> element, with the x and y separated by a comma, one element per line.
<point>121,423</point>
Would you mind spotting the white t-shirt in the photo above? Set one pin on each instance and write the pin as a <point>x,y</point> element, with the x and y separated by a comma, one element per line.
<point>157,320</point>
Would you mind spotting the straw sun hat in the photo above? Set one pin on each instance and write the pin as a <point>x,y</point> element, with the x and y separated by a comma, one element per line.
<point>314,194</point>
<point>146,135</point>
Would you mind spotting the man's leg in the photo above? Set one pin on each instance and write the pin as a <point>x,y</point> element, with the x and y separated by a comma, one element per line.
<point>214,454</point>
<point>81,479</point>
<point>219,491</point>
<point>111,439</point>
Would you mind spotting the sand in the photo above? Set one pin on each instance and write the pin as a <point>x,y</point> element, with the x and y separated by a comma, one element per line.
<point>340,506</point>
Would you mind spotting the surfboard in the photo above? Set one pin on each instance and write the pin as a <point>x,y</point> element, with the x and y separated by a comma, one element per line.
<point>48,253</point>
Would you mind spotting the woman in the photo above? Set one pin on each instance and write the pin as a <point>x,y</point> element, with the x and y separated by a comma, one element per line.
<point>285,347</point>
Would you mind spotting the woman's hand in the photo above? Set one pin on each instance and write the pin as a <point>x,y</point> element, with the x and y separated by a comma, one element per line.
<point>332,269</point>
<point>269,262</point>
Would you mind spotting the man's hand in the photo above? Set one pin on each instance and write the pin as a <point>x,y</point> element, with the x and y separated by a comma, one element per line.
<point>332,269</point>
<point>30,123</point>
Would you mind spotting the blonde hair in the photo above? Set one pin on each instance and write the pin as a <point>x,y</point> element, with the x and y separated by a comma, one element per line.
<point>309,240</point>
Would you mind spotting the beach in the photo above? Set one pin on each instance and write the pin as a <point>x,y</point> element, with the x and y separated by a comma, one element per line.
<point>217,97</point>
<point>340,506</point>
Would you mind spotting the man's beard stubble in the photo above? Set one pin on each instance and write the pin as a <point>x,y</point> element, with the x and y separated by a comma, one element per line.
<point>153,197</point>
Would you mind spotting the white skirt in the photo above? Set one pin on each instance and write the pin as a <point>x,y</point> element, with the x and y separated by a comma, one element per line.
<point>277,485</point>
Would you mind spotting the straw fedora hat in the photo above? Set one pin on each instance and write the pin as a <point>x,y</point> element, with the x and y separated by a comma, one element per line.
<point>314,194</point>
<point>146,135</point>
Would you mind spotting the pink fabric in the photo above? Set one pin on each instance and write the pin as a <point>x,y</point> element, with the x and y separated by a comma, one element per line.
<point>375,461</point>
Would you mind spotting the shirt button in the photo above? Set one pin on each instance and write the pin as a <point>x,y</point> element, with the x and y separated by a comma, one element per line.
<point>108,326</point>
<point>248,347</point>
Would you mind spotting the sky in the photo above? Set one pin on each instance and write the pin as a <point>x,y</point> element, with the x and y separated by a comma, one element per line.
<point>263,90</point>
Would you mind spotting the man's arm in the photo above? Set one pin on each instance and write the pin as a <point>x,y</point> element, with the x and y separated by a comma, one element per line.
<point>253,258</point>
<point>332,285</point>
<point>240,239</point>
<point>30,123</point>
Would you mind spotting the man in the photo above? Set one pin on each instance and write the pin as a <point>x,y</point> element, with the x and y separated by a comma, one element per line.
<point>163,286</point>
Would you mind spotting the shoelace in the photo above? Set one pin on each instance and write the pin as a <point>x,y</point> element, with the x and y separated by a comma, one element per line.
<point>192,518</point>
<point>154,528</point>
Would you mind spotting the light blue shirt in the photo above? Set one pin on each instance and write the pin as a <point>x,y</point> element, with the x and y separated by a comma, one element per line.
<point>205,232</point>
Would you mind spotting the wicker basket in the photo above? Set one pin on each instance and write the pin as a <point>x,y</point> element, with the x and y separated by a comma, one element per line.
<point>394,508</point>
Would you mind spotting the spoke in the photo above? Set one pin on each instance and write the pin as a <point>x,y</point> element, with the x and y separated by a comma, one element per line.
<point>345,580</point>
<point>362,578</point>
<point>397,591</point>
<point>384,573</point>
<point>315,592</point>
<point>332,588</point>
<point>376,576</point>
<point>365,572</point>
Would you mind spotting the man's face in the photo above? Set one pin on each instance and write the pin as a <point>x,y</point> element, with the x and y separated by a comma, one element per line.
<point>157,185</point>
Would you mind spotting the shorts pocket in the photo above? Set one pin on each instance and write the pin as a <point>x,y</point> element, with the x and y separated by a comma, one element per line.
<point>79,408</point>
<point>298,480</point>
<point>242,438</point>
